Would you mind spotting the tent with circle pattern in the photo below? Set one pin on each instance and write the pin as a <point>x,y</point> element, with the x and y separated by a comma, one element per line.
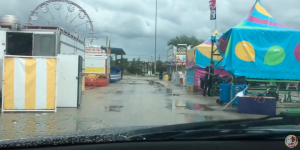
<point>261,48</point>
<point>203,54</point>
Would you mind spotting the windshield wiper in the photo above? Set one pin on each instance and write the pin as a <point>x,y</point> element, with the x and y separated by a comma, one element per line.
<point>218,134</point>
<point>205,129</point>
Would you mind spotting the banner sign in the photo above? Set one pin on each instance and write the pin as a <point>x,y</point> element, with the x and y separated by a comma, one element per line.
<point>212,7</point>
<point>94,49</point>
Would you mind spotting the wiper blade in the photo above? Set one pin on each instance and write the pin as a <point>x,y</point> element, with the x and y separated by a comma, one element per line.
<point>206,128</point>
<point>235,134</point>
<point>215,134</point>
<point>265,121</point>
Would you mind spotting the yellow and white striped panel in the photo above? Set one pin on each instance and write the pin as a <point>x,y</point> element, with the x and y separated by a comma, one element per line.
<point>94,70</point>
<point>29,84</point>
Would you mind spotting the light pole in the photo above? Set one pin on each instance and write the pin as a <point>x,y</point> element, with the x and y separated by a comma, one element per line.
<point>155,37</point>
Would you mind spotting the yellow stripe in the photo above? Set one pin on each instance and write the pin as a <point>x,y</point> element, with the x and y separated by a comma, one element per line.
<point>215,32</point>
<point>51,82</point>
<point>30,83</point>
<point>262,10</point>
<point>8,81</point>
<point>94,70</point>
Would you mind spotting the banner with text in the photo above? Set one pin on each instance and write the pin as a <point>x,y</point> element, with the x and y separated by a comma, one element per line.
<point>212,7</point>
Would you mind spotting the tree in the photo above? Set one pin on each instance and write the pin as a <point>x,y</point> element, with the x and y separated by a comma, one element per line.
<point>132,69</point>
<point>160,67</point>
<point>183,39</point>
<point>112,62</point>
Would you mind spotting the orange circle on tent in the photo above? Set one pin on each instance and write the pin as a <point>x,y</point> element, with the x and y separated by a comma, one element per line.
<point>245,51</point>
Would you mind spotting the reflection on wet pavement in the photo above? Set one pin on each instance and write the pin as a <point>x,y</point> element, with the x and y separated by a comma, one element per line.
<point>144,103</point>
<point>195,106</point>
<point>199,118</point>
<point>114,108</point>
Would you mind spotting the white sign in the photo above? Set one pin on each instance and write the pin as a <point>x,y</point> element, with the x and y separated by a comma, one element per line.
<point>182,49</point>
<point>171,53</point>
<point>91,49</point>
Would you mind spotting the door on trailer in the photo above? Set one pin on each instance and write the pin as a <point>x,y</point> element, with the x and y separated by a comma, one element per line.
<point>79,89</point>
<point>44,44</point>
<point>68,79</point>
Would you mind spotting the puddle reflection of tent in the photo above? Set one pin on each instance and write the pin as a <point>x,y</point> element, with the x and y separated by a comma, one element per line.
<point>180,103</point>
<point>197,118</point>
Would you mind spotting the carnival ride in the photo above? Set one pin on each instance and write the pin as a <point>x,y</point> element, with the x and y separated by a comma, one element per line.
<point>268,62</point>
<point>115,74</point>
<point>72,19</point>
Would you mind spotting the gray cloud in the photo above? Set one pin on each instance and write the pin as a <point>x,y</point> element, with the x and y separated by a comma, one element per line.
<point>130,23</point>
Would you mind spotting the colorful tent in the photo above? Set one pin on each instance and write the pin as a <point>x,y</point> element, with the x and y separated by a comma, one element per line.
<point>203,54</point>
<point>260,47</point>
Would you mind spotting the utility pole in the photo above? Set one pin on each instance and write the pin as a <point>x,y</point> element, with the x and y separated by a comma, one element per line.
<point>148,67</point>
<point>155,37</point>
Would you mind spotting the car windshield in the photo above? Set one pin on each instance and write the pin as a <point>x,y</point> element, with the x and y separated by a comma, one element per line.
<point>74,66</point>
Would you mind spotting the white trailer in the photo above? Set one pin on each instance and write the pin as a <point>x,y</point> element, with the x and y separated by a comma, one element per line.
<point>34,41</point>
<point>39,41</point>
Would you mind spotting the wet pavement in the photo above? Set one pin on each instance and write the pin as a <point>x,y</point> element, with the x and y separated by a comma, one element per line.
<point>133,101</point>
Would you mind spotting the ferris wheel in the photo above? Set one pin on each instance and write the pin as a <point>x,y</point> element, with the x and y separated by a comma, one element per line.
<point>65,14</point>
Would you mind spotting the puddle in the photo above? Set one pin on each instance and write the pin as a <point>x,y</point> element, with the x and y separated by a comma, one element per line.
<point>159,84</point>
<point>113,108</point>
<point>159,89</point>
<point>195,106</point>
<point>169,90</point>
<point>169,105</point>
<point>119,92</point>
<point>192,106</point>
<point>151,82</point>
<point>173,94</point>
<point>133,83</point>
<point>200,118</point>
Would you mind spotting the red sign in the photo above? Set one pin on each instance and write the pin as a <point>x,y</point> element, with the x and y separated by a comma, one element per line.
<point>212,4</point>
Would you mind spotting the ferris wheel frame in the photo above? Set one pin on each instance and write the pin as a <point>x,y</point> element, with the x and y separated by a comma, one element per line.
<point>69,2</point>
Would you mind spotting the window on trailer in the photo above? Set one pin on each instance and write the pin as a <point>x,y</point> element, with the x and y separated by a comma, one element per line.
<point>19,43</point>
<point>30,44</point>
<point>44,45</point>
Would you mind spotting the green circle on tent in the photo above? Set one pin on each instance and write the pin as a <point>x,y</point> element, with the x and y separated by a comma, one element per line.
<point>274,56</point>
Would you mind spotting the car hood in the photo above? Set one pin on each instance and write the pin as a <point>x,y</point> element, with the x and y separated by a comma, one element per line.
<point>111,134</point>
<point>100,135</point>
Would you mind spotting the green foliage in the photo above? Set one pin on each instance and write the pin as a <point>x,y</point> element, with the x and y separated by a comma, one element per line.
<point>183,39</point>
<point>136,66</point>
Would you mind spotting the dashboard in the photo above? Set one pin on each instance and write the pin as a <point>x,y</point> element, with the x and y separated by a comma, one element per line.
<point>175,145</point>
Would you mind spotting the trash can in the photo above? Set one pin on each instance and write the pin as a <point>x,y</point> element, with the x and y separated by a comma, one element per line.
<point>225,92</point>
<point>160,76</point>
<point>166,77</point>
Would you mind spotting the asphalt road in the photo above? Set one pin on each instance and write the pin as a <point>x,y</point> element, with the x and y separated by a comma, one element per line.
<point>133,101</point>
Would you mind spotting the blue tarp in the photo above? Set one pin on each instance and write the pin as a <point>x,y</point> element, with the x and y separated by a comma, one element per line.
<point>190,76</point>
<point>260,47</point>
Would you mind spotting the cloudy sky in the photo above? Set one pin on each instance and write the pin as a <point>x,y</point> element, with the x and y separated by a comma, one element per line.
<point>130,24</point>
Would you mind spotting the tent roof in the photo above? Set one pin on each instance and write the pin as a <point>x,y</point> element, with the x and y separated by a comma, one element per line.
<point>208,41</point>
<point>259,18</point>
